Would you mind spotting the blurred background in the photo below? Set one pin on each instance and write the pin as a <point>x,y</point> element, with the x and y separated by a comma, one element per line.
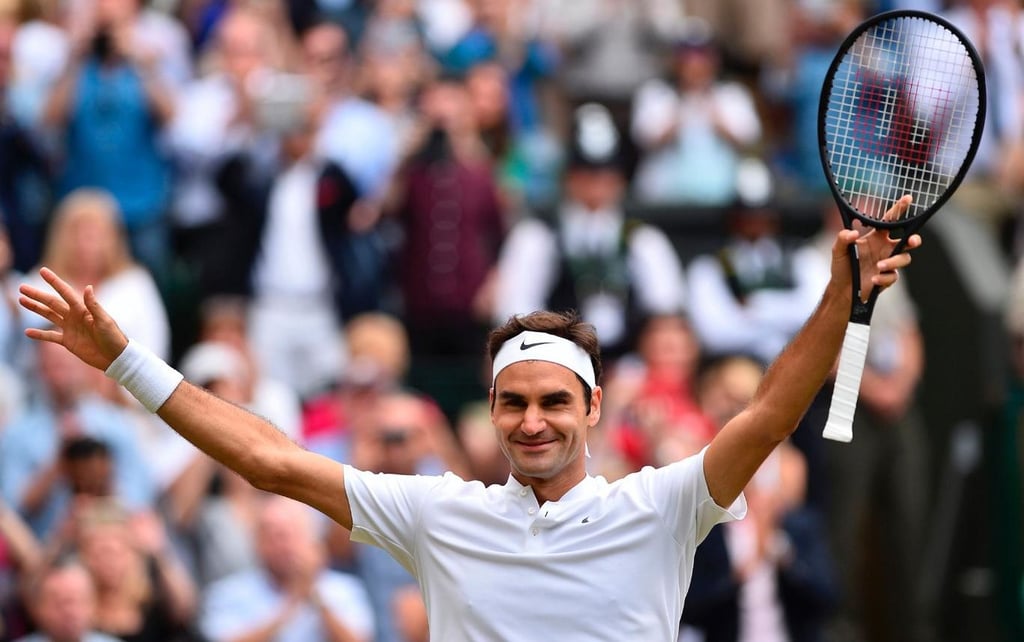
<point>318,208</point>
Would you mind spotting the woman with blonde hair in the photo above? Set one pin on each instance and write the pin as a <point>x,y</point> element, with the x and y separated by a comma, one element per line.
<point>86,241</point>
<point>143,592</point>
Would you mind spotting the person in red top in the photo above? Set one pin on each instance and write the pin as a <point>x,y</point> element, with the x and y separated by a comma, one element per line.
<point>661,420</point>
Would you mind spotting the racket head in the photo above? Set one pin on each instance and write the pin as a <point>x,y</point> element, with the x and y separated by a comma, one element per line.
<point>902,111</point>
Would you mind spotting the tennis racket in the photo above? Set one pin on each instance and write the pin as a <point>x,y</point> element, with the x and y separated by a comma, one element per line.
<point>901,112</point>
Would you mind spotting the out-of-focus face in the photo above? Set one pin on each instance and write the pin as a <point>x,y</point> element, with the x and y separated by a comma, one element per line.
<point>65,604</point>
<point>116,12</point>
<point>91,476</point>
<point>488,93</point>
<point>91,238</point>
<point>696,67</point>
<point>242,42</point>
<point>446,105</point>
<point>324,53</point>
<point>668,346</point>
<point>595,188</point>
<point>285,538</point>
<point>400,433</point>
<point>107,551</point>
<point>61,372</point>
<point>541,420</point>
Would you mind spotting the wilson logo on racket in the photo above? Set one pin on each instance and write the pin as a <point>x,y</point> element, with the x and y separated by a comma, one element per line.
<point>885,124</point>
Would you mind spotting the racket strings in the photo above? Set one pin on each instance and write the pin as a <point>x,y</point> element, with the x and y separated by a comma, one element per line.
<point>901,113</point>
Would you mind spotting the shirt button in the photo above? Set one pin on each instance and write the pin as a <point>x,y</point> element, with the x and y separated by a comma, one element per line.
<point>532,511</point>
<point>522,492</point>
<point>535,531</point>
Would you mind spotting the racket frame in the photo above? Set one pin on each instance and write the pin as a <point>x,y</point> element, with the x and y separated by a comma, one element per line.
<point>853,355</point>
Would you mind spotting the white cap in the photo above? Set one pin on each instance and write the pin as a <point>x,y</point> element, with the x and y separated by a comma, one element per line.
<point>209,361</point>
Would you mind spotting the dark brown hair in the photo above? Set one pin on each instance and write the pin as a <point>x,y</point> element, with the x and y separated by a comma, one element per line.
<point>567,325</point>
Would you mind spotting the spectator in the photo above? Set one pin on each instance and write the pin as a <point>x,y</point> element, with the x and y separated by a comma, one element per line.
<point>285,246</point>
<point>878,483</point>
<point>24,171</point>
<point>110,107</point>
<point>769,576</point>
<point>608,49</point>
<point>143,592</point>
<point>528,159</point>
<point>450,215</point>
<point>63,604</point>
<point>224,321</point>
<point>30,447</point>
<point>292,597</point>
<point>353,133</point>
<point>86,240</point>
<point>499,34</point>
<point>591,256</point>
<point>752,295</point>
<point>651,407</point>
<point>214,117</point>
<point>394,69</point>
<point>39,53</point>
<point>362,141</point>
<point>693,131</point>
<point>407,437</point>
<point>994,183</point>
<point>792,86</point>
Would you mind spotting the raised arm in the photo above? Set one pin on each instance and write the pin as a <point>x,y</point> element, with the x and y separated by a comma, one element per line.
<point>242,441</point>
<point>798,373</point>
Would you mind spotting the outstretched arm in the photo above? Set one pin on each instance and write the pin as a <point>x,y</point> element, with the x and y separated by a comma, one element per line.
<point>798,373</point>
<point>242,441</point>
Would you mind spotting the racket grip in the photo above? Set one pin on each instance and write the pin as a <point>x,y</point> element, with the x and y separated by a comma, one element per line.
<point>839,426</point>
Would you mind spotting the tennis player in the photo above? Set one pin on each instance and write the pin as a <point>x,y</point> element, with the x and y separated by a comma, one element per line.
<point>553,553</point>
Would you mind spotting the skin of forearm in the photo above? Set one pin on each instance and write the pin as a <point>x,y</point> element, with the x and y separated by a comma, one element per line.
<point>794,379</point>
<point>231,435</point>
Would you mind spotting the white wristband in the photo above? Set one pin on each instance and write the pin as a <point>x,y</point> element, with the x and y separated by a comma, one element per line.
<point>145,375</point>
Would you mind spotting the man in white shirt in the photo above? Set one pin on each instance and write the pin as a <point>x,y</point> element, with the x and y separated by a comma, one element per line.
<point>553,553</point>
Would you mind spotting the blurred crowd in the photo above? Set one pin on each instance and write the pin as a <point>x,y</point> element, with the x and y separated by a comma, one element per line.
<point>317,209</point>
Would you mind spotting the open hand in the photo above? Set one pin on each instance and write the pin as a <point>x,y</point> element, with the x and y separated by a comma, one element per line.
<point>78,321</point>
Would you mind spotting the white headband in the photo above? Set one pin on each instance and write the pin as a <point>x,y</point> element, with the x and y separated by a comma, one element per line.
<point>541,346</point>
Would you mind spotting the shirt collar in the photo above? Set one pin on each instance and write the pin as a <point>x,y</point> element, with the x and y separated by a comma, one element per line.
<point>584,488</point>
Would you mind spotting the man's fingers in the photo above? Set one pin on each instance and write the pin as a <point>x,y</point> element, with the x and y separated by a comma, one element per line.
<point>40,309</point>
<point>62,287</point>
<point>43,297</point>
<point>93,305</point>
<point>899,208</point>
<point>53,336</point>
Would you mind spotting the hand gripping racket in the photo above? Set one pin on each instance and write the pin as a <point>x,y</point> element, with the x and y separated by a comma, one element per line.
<point>901,112</point>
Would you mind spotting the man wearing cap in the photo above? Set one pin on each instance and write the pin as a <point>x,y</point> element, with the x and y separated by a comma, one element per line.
<point>590,256</point>
<point>553,553</point>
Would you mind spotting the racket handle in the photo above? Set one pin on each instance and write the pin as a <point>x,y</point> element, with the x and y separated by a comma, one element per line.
<point>839,426</point>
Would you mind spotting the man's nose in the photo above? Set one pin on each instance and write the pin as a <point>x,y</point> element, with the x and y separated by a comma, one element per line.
<point>533,421</point>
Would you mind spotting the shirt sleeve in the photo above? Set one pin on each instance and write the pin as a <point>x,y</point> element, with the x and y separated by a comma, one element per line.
<point>386,510</point>
<point>681,490</point>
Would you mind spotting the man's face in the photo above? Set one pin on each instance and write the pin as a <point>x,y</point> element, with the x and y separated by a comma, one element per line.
<point>91,476</point>
<point>541,420</point>
<point>66,604</point>
<point>595,188</point>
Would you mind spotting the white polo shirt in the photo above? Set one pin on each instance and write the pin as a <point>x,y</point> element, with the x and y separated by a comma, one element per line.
<point>606,562</point>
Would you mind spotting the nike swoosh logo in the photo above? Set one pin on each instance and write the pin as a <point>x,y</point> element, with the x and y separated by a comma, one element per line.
<point>526,346</point>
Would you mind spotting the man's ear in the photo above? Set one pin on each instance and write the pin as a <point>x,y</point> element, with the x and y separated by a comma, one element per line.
<point>595,406</point>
